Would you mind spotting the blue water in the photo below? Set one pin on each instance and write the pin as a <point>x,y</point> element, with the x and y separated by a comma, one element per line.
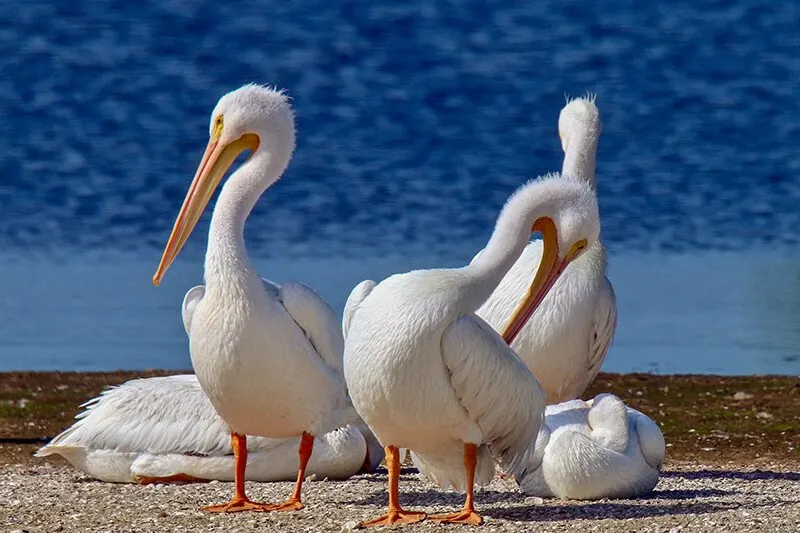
<point>416,121</point>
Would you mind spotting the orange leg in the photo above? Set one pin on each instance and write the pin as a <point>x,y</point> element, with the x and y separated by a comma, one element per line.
<point>294,503</point>
<point>240,502</point>
<point>396,513</point>
<point>467,515</point>
<point>175,478</point>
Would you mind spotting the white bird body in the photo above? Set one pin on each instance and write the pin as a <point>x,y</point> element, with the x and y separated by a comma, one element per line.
<point>566,340</point>
<point>261,372</point>
<point>165,427</point>
<point>427,374</point>
<point>267,357</point>
<point>592,450</point>
<point>425,356</point>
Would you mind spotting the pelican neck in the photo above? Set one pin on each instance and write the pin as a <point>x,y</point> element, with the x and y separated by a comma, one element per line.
<point>511,234</point>
<point>227,260</point>
<point>580,158</point>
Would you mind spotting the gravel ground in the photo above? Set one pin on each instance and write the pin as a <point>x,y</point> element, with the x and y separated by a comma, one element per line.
<point>692,498</point>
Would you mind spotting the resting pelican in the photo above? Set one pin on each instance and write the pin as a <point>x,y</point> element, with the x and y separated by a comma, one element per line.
<point>164,429</point>
<point>567,339</point>
<point>267,356</point>
<point>426,374</point>
<point>592,450</point>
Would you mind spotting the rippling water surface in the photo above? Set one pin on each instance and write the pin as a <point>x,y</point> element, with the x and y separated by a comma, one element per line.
<point>416,121</point>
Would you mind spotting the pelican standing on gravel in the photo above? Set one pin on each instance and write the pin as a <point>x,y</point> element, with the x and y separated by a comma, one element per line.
<point>268,357</point>
<point>426,374</point>
<point>568,337</point>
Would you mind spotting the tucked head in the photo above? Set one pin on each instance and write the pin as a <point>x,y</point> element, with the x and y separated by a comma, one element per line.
<point>568,220</point>
<point>579,117</point>
<point>252,118</point>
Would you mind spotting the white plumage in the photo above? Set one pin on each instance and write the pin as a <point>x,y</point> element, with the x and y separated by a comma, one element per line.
<point>266,356</point>
<point>592,450</point>
<point>567,338</point>
<point>427,374</point>
<point>165,427</point>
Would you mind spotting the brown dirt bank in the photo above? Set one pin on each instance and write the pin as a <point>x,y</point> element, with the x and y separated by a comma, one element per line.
<point>713,420</point>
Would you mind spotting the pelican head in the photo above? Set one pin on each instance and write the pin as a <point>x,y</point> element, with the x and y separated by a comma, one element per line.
<point>254,118</point>
<point>579,117</point>
<point>568,220</point>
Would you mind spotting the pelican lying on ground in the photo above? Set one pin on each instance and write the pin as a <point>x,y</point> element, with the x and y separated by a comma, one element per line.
<point>592,450</point>
<point>164,430</point>
<point>426,374</point>
<point>567,339</point>
<point>267,357</point>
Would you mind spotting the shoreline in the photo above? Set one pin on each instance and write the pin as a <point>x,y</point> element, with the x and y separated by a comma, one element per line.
<point>705,419</point>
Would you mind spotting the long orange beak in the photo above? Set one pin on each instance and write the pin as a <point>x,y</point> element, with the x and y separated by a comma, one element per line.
<point>216,161</point>
<point>550,268</point>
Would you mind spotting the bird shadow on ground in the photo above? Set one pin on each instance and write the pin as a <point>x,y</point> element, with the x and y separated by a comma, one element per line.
<point>601,510</point>
<point>379,475</point>
<point>554,510</point>
<point>436,497</point>
<point>754,475</point>
<point>686,494</point>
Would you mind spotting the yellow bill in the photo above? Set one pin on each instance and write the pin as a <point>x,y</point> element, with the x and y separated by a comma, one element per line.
<point>216,161</point>
<point>550,268</point>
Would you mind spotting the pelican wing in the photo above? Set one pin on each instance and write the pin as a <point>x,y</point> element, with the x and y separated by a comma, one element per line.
<point>495,388</point>
<point>357,295</point>
<point>316,318</point>
<point>190,301</point>
<point>604,324</point>
<point>158,415</point>
<point>161,416</point>
<point>651,439</point>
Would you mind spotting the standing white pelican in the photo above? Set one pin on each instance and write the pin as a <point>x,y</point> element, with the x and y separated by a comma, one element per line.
<point>567,339</point>
<point>164,430</point>
<point>268,357</point>
<point>426,374</point>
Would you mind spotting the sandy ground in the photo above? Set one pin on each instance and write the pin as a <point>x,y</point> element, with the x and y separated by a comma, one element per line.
<point>733,464</point>
<point>688,498</point>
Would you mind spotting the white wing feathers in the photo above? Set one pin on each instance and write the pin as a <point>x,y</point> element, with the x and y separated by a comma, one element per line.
<point>357,296</point>
<point>510,409</point>
<point>158,415</point>
<point>604,324</point>
<point>316,318</point>
<point>651,439</point>
<point>193,296</point>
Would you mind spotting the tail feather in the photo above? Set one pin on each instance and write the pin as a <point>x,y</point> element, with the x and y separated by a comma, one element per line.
<point>448,470</point>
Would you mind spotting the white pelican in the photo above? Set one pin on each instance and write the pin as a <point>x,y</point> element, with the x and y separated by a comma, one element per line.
<point>592,450</point>
<point>426,374</point>
<point>567,339</point>
<point>164,429</point>
<point>268,357</point>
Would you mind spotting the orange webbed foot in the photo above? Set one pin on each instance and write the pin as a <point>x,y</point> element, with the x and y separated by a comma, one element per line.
<point>237,505</point>
<point>289,505</point>
<point>466,516</point>
<point>399,516</point>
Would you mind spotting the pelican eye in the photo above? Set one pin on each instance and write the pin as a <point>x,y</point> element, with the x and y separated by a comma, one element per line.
<point>577,248</point>
<point>217,130</point>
